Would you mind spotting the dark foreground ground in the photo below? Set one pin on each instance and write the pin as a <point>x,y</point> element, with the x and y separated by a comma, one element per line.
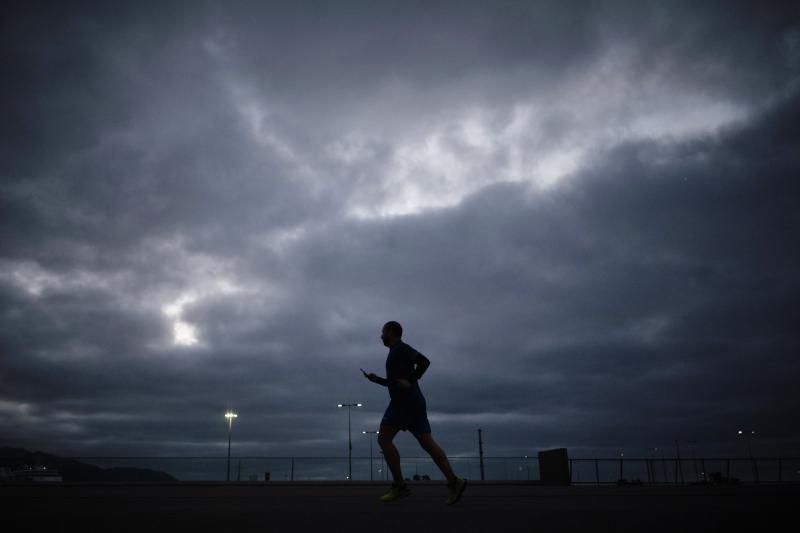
<point>355,507</point>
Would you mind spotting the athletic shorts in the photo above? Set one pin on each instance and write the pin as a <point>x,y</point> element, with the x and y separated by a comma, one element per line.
<point>408,416</point>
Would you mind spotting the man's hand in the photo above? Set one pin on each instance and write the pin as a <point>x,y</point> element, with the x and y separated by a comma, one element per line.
<point>374,378</point>
<point>404,384</point>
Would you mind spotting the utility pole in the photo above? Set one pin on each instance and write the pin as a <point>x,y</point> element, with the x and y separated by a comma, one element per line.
<point>480,449</point>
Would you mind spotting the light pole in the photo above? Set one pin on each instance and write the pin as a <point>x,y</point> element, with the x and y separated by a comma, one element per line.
<point>527,469</point>
<point>694,458</point>
<point>748,436</point>
<point>653,460</point>
<point>349,440</point>
<point>370,450</point>
<point>230,415</point>
<point>480,449</point>
<point>663,464</point>
<point>678,465</point>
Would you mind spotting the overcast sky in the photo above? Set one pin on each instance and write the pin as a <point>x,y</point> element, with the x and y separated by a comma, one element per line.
<point>584,213</point>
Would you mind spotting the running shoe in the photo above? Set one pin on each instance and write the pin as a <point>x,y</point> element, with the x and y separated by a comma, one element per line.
<point>395,493</point>
<point>456,490</point>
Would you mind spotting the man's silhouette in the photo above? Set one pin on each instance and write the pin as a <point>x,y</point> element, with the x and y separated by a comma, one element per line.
<point>407,411</point>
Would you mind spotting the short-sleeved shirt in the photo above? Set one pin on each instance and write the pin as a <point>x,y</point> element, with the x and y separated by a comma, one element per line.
<point>407,410</point>
<point>400,365</point>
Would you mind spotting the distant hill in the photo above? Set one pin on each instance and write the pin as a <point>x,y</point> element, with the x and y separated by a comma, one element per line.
<point>72,470</point>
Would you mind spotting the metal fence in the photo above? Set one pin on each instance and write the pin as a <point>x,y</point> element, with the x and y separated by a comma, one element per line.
<point>316,468</point>
<point>726,470</point>
<point>583,471</point>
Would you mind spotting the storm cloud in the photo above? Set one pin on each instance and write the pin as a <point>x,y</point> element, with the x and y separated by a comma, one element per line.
<point>584,214</point>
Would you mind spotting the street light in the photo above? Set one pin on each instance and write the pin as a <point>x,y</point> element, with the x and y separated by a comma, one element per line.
<point>230,415</point>
<point>349,440</point>
<point>749,436</point>
<point>527,469</point>
<point>749,448</point>
<point>694,458</point>
<point>370,450</point>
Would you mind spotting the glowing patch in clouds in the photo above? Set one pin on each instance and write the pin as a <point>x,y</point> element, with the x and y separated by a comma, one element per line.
<point>184,334</point>
<point>541,139</point>
<point>35,280</point>
<point>204,276</point>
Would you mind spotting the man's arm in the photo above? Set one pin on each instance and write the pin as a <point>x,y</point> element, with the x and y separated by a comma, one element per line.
<point>377,379</point>
<point>422,363</point>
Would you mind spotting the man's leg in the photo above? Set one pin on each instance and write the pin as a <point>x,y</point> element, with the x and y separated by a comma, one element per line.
<point>438,455</point>
<point>385,436</point>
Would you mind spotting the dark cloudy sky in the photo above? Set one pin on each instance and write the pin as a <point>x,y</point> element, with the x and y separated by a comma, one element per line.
<point>584,213</point>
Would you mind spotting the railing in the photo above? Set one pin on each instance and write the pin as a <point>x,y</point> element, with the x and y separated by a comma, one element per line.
<point>662,471</point>
<point>204,468</point>
<point>583,471</point>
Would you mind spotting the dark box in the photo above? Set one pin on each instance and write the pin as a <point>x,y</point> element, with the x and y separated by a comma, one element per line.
<point>554,467</point>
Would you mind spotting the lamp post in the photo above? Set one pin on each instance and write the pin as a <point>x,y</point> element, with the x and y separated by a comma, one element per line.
<point>370,450</point>
<point>349,440</point>
<point>748,435</point>
<point>678,465</point>
<point>480,449</point>
<point>694,459</point>
<point>230,415</point>
<point>653,460</point>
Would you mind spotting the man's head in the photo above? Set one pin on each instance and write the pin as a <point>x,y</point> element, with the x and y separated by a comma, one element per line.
<point>391,333</point>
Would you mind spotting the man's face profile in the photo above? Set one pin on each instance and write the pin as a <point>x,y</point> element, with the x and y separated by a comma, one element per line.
<point>385,337</point>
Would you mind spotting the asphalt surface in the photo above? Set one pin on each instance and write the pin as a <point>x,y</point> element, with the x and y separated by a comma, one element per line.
<point>336,506</point>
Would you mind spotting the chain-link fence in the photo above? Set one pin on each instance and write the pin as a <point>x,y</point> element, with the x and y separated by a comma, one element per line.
<point>582,470</point>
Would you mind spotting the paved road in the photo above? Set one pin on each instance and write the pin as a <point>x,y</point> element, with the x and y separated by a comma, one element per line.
<point>355,507</point>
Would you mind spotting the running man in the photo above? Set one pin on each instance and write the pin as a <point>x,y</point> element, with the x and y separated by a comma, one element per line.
<point>407,411</point>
